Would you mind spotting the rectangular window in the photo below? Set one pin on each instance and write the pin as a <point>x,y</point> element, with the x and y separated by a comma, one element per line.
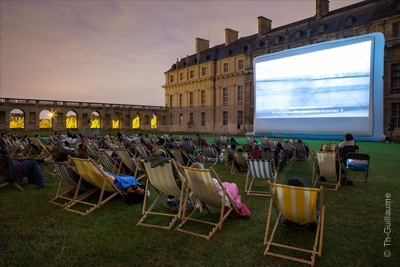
<point>171,78</point>
<point>171,119</point>
<point>395,118</point>
<point>181,76</point>
<point>180,119</point>
<point>191,99</point>
<point>396,29</point>
<point>225,95</point>
<point>191,117</point>
<point>240,93</point>
<point>395,88</point>
<point>203,71</point>
<point>180,100</point>
<point>203,97</point>
<point>171,100</point>
<point>203,119</point>
<point>225,118</point>
<point>240,117</point>
<point>191,74</point>
<point>240,64</point>
<point>226,67</point>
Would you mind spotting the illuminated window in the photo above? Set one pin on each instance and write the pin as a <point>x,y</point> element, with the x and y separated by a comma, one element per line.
<point>71,120</point>
<point>203,97</point>
<point>46,119</point>
<point>154,122</point>
<point>225,118</point>
<point>240,64</point>
<point>226,67</point>
<point>240,93</point>
<point>225,95</point>
<point>116,121</point>
<point>136,122</point>
<point>95,120</point>
<point>17,119</point>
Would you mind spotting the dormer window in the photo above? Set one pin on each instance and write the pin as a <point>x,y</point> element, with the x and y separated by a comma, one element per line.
<point>260,44</point>
<point>349,21</point>
<point>298,34</point>
<point>277,39</point>
<point>322,28</point>
<point>228,53</point>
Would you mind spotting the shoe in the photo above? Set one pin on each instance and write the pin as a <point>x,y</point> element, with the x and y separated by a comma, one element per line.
<point>43,186</point>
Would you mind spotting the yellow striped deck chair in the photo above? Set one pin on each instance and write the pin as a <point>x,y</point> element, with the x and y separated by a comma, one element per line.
<point>91,173</point>
<point>327,165</point>
<point>201,183</point>
<point>162,179</point>
<point>260,170</point>
<point>240,160</point>
<point>299,205</point>
<point>328,147</point>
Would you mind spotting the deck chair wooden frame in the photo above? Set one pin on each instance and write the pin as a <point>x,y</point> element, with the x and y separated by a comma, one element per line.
<point>162,179</point>
<point>240,159</point>
<point>224,141</point>
<point>91,173</point>
<point>217,140</point>
<point>289,150</point>
<point>142,150</point>
<point>107,161</point>
<point>179,155</point>
<point>300,149</point>
<point>65,175</point>
<point>299,205</point>
<point>327,164</point>
<point>201,184</point>
<point>209,154</point>
<point>328,147</point>
<point>260,170</point>
<point>230,152</point>
<point>189,147</point>
<point>5,183</point>
<point>127,157</point>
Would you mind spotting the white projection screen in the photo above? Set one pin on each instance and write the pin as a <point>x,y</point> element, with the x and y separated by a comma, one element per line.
<point>322,91</point>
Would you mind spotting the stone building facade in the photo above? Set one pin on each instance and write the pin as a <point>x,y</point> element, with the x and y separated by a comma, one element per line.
<point>212,90</point>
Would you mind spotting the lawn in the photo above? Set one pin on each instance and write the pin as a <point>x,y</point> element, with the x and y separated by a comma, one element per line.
<point>37,233</point>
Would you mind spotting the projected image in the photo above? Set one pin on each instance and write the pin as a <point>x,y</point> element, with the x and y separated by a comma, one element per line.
<point>328,83</point>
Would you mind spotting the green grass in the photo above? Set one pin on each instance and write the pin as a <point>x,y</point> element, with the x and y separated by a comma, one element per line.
<point>37,233</point>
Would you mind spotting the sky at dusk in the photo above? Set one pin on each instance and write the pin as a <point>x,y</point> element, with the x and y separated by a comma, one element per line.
<point>117,51</point>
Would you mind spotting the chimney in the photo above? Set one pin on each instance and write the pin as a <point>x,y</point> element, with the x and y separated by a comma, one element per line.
<point>322,8</point>
<point>264,25</point>
<point>230,36</point>
<point>201,45</point>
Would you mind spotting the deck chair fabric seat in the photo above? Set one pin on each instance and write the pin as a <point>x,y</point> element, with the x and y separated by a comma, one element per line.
<point>130,161</point>
<point>260,170</point>
<point>327,166</point>
<point>180,156</point>
<point>162,179</point>
<point>298,205</point>
<point>240,160</point>
<point>200,181</point>
<point>210,154</point>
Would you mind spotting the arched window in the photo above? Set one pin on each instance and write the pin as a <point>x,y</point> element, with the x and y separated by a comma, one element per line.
<point>136,122</point>
<point>95,120</point>
<point>17,119</point>
<point>154,121</point>
<point>46,119</point>
<point>116,121</point>
<point>72,120</point>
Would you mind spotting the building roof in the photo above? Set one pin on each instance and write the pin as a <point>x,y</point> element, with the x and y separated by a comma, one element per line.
<point>344,18</point>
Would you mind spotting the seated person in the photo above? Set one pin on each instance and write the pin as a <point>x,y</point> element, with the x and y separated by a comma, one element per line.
<point>255,153</point>
<point>348,141</point>
<point>231,189</point>
<point>14,171</point>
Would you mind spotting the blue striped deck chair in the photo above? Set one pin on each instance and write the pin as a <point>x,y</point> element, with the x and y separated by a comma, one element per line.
<point>298,205</point>
<point>260,170</point>
<point>91,173</point>
<point>327,165</point>
<point>162,179</point>
<point>201,183</point>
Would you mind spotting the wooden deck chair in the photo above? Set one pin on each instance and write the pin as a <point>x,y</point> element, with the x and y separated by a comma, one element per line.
<point>299,205</point>
<point>327,165</point>
<point>260,170</point>
<point>130,161</point>
<point>217,140</point>
<point>267,154</point>
<point>161,147</point>
<point>91,150</point>
<point>189,147</point>
<point>251,140</point>
<point>224,141</point>
<point>241,160</point>
<point>302,152</point>
<point>209,154</point>
<point>264,141</point>
<point>289,149</point>
<point>142,150</point>
<point>5,183</point>
<point>108,162</point>
<point>67,176</point>
<point>180,156</point>
<point>230,154</point>
<point>201,183</point>
<point>328,147</point>
<point>162,179</point>
<point>91,173</point>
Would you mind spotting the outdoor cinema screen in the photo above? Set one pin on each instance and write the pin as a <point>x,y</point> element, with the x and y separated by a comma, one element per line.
<point>322,91</point>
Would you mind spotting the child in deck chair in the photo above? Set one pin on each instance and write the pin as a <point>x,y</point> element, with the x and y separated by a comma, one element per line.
<point>232,190</point>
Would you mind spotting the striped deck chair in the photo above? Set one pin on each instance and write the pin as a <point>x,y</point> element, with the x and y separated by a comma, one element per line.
<point>200,181</point>
<point>67,176</point>
<point>130,161</point>
<point>91,150</point>
<point>189,147</point>
<point>224,141</point>
<point>240,160</point>
<point>327,165</point>
<point>250,140</point>
<point>108,162</point>
<point>289,149</point>
<point>267,154</point>
<point>91,173</point>
<point>209,154</point>
<point>328,147</point>
<point>299,205</point>
<point>162,179</point>
<point>217,140</point>
<point>142,150</point>
<point>180,156</point>
<point>161,147</point>
<point>260,170</point>
<point>230,154</point>
<point>264,141</point>
<point>302,152</point>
